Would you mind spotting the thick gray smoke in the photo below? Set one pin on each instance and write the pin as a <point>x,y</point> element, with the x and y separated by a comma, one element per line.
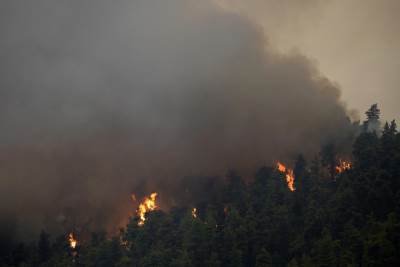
<point>98,96</point>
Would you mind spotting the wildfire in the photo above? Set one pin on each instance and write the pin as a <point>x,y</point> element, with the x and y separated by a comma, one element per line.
<point>288,174</point>
<point>72,241</point>
<point>194,213</point>
<point>343,166</point>
<point>148,204</point>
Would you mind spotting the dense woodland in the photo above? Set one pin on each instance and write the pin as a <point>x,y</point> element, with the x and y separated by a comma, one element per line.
<point>348,218</point>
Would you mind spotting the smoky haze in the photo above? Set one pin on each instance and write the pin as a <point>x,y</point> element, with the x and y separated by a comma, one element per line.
<point>102,99</point>
<point>355,42</point>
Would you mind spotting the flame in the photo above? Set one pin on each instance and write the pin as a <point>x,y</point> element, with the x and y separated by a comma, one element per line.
<point>288,174</point>
<point>194,213</point>
<point>148,204</point>
<point>72,241</point>
<point>281,167</point>
<point>343,166</point>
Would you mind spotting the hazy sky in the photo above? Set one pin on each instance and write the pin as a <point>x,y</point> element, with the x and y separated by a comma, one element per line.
<point>102,99</point>
<point>354,42</point>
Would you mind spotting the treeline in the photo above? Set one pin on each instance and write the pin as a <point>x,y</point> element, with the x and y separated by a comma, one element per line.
<point>349,218</point>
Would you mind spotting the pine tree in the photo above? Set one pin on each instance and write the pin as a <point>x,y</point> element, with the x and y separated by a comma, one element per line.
<point>263,259</point>
<point>324,250</point>
<point>372,123</point>
<point>328,158</point>
<point>302,181</point>
<point>44,250</point>
<point>373,113</point>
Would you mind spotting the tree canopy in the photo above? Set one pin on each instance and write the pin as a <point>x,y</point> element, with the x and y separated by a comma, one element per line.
<point>339,215</point>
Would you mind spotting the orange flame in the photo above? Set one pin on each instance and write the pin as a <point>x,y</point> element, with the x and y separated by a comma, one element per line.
<point>343,166</point>
<point>281,167</point>
<point>148,204</point>
<point>194,213</point>
<point>288,174</point>
<point>72,241</point>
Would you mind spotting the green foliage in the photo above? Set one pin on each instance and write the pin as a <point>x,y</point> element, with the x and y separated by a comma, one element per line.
<point>263,259</point>
<point>346,219</point>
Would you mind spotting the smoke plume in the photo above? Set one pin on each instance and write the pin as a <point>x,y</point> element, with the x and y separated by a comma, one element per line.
<point>103,99</point>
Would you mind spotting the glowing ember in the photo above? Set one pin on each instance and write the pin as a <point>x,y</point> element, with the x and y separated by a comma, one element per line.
<point>343,166</point>
<point>194,213</point>
<point>288,174</point>
<point>72,241</point>
<point>281,167</point>
<point>148,204</point>
<point>123,243</point>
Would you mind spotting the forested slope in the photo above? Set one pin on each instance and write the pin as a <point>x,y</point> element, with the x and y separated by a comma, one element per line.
<point>338,215</point>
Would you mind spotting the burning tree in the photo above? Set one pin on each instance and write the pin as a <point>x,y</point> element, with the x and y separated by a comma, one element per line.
<point>342,166</point>
<point>148,204</point>
<point>289,175</point>
<point>72,241</point>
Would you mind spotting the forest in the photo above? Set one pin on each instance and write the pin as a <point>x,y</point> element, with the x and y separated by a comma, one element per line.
<point>334,209</point>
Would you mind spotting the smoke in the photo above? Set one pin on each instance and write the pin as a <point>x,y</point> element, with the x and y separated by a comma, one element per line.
<point>100,100</point>
<point>325,30</point>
